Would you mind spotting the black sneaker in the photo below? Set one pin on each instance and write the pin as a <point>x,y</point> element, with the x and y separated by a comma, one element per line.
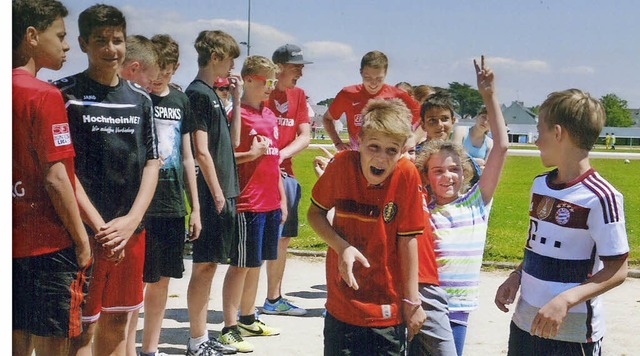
<point>205,349</point>
<point>220,347</point>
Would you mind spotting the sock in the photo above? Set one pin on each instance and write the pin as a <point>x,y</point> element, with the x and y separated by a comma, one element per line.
<point>274,301</point>
<point>247,319</point>
<point>148,353</point>
<point>194,343</point>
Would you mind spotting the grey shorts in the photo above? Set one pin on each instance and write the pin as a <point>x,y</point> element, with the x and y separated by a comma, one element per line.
<point>293,191</point>
<point>435,336</point>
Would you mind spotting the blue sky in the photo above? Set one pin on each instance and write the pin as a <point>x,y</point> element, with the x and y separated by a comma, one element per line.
<point>535,47</point>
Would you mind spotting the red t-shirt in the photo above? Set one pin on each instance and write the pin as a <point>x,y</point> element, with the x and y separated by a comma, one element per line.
<point>352,99</point>
<point>40,135</point>
<point>259,178</point>
<point>427,266</point>
<point>372,219</point>
<point>290,107</point>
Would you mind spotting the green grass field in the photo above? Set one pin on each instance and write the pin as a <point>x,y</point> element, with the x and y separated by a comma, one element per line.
<point>509,218</point>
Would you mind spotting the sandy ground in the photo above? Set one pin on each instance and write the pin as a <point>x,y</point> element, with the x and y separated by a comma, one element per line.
<point>305,285</point>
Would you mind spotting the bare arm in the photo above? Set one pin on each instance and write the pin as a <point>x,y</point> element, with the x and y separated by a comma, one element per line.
<point>283,201</point>
<point>496,159</point>
<point>459,133</point>
<point>551,315</point>
<point>330,128</point>
<point>208,168</point>
<point>412,311</point>
<point>236,120</point>
<point>300,143</point>
<point>116,233</point>
<point>189,166</point>
<point>60,190</point>
<point>259,147</point>
<point>348,254</point>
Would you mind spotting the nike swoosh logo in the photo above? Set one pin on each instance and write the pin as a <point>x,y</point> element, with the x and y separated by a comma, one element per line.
<point>255,332</point>
<point>356,103</point>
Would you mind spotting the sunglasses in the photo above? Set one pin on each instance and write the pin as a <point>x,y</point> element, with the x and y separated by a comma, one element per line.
<point>270,83</point>
<point>222,88</point>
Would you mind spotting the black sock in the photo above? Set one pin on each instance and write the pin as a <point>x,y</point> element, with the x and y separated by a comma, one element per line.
<point>247,319</point>
<point>274,301</point>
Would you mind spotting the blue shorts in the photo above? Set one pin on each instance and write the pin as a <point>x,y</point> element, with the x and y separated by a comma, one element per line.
<point>48,294</point>
<point>293,191</point>
<point>257,238</point>
<point>164,248</point>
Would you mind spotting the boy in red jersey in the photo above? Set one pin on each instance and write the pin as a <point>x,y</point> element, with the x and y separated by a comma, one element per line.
<point>378,214</point>
<point>352,99</point>
<point>261,206</point>
<point>51,249</point>
<point>289,103</point>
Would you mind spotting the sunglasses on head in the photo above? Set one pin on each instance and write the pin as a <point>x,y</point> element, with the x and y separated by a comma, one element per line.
<point>223,88</point>
<point>270,83</point>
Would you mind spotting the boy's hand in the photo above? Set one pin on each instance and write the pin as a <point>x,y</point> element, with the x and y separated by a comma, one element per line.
<point>343,146</point>
<point>259,146</point>
<point>506,293</point>
<point>195,225</point>
<point>485,77</point>
<point>116,233</point>
<point>547,323</point>
<point>347,258</point>
<point>235,86</point>
<point>320,163</point>
<point>83,255</point>
<point>414,316</point>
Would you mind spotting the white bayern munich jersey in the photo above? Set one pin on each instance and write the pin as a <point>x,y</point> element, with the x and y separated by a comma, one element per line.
<point>572,228</point>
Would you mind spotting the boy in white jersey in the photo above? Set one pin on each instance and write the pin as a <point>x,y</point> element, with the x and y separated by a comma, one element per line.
<point>577,246</point>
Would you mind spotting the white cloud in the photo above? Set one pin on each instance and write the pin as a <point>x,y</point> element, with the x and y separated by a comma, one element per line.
<point>329,50</point>
<point>578,70</point>
<point>532,65</point>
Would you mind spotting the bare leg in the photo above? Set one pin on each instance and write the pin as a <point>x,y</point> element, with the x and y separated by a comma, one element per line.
<point>232,288</point>
<point>275,269</point>
<point>131,333</point>
<point>198,294</point>
<point>81,345</point>
<point>249,292</point>
<point>22,343</point>
<point>111,334</point>
<point>51,345</point>
<point>155,302</point>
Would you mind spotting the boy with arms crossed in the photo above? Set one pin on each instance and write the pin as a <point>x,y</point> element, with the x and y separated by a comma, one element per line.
<point>289,103</point>
<point>261,206</point>
<point>214,140</point>
<point>165,219</point>
<point>117,166</point>
<point>351,100</point>
<point>51,250</point>
<point>577,247</point>
<point>378,214</point>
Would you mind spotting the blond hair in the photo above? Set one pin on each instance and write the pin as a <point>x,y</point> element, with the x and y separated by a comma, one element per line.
<point>390,117</point>
<point>578,112</point>
<point>216,42</point>
<point>258,64</point>
<point>436,146</point>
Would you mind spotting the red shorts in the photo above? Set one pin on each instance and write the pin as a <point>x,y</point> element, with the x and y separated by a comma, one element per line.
<point>117,288</point>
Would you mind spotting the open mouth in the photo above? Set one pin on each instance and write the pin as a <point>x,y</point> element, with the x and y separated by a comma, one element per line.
<point>376,171</point>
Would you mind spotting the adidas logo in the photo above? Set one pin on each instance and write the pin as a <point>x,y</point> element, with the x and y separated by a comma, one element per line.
<point>253,132</point>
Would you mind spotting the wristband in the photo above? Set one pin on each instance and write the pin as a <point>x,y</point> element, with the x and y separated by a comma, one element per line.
<point>411,303</point>
<point>518,272</point>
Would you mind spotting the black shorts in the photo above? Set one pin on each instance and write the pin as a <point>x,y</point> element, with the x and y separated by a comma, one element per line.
<point>217,233</point>
<point>522,343</point>
<point>48,294</point>
<point>164,248</point>
<point>345,339</point>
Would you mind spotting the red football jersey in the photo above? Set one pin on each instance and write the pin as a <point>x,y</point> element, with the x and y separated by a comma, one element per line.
<point>372,219</point>
<point>40,135</point>
<point>427,266</point>
<point>352,99</point>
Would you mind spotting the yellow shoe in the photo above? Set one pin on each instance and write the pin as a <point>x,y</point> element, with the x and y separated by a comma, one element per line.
<point>258,328</point>
<point>233,338</point>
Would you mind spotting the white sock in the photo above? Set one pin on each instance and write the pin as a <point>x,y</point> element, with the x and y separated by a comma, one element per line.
<point>194,343</point>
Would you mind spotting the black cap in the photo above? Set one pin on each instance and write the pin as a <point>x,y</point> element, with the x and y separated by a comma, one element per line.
<point>289,53</point>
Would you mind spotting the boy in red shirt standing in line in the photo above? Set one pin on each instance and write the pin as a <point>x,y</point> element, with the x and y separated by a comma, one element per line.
<point>378,213</point>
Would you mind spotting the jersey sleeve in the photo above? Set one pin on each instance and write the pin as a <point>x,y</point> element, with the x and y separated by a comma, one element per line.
<point>303,109</point>
<point>51,129</point>
<point>413,105</point>
<point>411,217</point>
<point>151,137</point>
<point>188,121</point>
<point>606,223</point>
<point>200,109</point>
<point>336,109</point>
<point>323,192</point>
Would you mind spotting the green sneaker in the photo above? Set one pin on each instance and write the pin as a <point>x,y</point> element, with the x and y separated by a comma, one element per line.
<point>233,338</point>
<point>258,328</point>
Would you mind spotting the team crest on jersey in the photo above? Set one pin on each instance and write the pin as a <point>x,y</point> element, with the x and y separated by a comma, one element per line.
<point>358,120</point>
<point>282,108</point>
<point>544,207</point>
<point>563,213</point>
<point>389,212</point>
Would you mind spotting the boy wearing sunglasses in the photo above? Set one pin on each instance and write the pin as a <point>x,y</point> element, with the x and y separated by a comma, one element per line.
<point>261,206</point>
<point>221,86</point>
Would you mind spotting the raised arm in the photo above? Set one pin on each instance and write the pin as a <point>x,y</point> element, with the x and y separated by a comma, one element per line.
<point>236,121</point>
<point>495,161</point>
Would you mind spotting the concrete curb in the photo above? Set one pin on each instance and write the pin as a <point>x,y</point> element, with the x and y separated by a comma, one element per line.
<point>633,273</point>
